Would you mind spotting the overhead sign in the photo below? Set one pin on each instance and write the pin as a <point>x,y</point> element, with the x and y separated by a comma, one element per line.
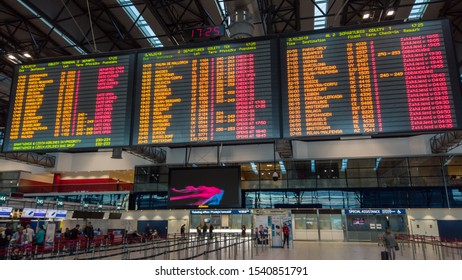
<point>61,214</point>
<point>2,198</point>
<point>40,213</point>
<point>375,211</point>
<point>220,212</point>
<point>40,201</point>
<point>28,213</point>
<point>5,212</point>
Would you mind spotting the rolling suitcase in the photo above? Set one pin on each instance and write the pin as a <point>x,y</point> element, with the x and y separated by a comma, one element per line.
<point>384,255</point>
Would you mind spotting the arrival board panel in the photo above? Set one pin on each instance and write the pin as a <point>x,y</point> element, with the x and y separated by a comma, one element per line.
<point>70,104</point>
<point>383,79</point>
<point>213,93</point>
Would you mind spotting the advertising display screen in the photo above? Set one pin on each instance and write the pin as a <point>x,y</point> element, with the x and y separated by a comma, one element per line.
<point>68,104</point>
<point>28,213</point>
<point>395,78</point>
<point>5,212</point>
<point>205,187</point>
<point>220,92</point>
<point>40,213</point>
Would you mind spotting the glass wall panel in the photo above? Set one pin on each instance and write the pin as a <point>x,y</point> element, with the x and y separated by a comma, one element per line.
<point>311,221</point>
<point>325,222</point>
<point>300,221</point>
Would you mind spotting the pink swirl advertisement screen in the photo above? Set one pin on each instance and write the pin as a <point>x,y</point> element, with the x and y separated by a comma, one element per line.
<point>205,187</point>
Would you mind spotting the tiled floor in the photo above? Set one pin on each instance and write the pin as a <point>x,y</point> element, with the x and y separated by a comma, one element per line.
<point>239,249</point>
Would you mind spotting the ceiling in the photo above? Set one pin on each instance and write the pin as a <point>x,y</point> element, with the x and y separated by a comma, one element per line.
<point>62,28</point>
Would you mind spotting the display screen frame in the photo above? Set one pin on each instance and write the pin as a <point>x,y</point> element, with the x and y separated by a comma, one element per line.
<point>453,82</point>
<point>127,121</point>
<point>209,176</point>
<point>273,58</point>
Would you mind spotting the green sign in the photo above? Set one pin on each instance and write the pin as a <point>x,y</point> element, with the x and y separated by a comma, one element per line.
<point>2,198</point>
<point>59,203</point>
<point>40,202</point>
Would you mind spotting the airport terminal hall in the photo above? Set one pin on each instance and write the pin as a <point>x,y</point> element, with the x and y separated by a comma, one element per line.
<point>231,130</point>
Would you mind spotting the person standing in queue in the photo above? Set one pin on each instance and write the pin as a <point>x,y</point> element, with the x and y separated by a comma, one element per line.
<point>183,232</point>
<point>73,236</point>
<point>89,233</point>
<point>211,231</point>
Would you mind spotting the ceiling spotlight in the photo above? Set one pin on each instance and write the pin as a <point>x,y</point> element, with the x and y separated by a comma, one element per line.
<point>26,54</point>
<point>10,56</point>
<point>390,12</point>
<point>366,15</point>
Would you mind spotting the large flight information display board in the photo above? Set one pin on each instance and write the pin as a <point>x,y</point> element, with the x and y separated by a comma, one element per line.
<point>213,93</point>
<point>397,78</point>
<point>69,104</point>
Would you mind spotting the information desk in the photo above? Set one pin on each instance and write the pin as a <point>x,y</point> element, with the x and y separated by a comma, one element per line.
<point>383,79</point>
<point>210,93</point>
<point>65,104</point>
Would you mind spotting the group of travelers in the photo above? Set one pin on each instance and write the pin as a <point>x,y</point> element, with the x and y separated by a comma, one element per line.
<point>202,230</point>
<point>22,241</point>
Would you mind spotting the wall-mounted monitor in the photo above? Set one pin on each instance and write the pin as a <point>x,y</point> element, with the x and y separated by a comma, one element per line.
<point>388,78</point>
<point>205,187</point>
<point>207,93</point>
<point>83,102</point>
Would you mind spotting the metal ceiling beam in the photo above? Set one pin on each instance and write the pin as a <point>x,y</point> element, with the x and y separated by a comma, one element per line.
<point>117,35</point>
<point>445,142</point>
<point>31,158</point>
<point>266,10</point>
<point>55,24</point>
<point>156,155</point>
<point>37,48</point>
<point>155,11</point>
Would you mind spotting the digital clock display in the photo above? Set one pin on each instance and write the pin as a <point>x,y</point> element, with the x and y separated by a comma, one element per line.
<point>205,32</point>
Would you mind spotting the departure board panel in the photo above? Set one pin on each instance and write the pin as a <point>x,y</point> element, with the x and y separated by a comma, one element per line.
<point>220,92</point>
<point>397,78</point>
<point>69,104</point>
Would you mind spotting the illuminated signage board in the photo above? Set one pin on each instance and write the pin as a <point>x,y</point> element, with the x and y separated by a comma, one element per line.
<point>204,94</point>
<point>69,104</point>
<point>392,78</point>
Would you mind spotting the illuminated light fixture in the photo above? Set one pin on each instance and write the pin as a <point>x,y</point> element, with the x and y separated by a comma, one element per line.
<point>140,22</point>
<point>313,166</point>
<point>344,164</point>
<point>14,59</point>
<point>26,54</point>
<point>418,9</point>
<point>366,15</point>
<point>282,167</point>
<point>390,12</point>
<point>377,162</point>
<point>53,28</point>
<point>320,14</point>
<point>223,14</point>
<point>254,168</point>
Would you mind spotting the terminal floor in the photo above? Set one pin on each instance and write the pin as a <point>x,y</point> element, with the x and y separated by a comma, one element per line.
<point>313,250</point>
